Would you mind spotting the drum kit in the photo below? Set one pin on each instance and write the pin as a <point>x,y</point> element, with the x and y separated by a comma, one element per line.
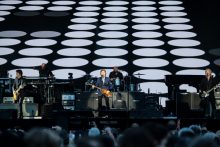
<point>128,83</point>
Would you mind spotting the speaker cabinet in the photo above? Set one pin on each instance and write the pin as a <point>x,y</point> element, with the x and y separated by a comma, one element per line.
<point>136,100</point>
<point>29,110</point>
<point>192,99</point>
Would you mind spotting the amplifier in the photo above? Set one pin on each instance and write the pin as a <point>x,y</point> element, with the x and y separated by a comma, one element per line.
<point>28,100</point>
<point>8,100</point>
<point>28,109</point>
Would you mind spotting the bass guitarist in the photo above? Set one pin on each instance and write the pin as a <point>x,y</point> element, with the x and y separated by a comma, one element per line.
<point>19,90</point>
<point>104,83</point>
<point>208,103</point>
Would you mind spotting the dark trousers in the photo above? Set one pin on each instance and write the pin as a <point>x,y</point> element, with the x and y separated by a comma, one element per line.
<point>100,102</point>
<point>209,107</point>
<point>20,102</point>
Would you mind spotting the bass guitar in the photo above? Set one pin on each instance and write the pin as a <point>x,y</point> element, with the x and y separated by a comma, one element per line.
<point>104,91</point>
<point>205,94</point>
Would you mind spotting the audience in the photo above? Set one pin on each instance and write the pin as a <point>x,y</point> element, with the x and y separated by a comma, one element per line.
<point>148,135</point>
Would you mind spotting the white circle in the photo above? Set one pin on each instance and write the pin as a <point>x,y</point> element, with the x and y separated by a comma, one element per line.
<point>59,8</point>
<point>148,42</point>
<point>145,20</point>
<point>88,8</point>
<point>63,73</point>
<point>170,2</point>
<point>178,27</point>
<point>90,3</point>
<point>28,62</point>
<point>184,42</point>
<point>187,52</point>
<point>9,42</point>
<point>191,72</point>
<point>114,20</point>
<point>5,51</point>
<point>4,13</point>
<point>37,2</point>
<point>63,2</point>
<point>114,14</point>
<point>35,51</point>
<point>76,42</point>
<point>147,34</point>
<point>26,72</point>
<point>188,88</point>
<point>149,52</point>
<point>70,62</point>
<point>111,52</point>
<point>150,62</point>
<point>143,3</point>
<point>152,74</point>
<point>96,73</point>
<point>146,27</point>
<point>191,62</point>
<point>45,34</point>
<point>144,14</point>
<point>86,14</point>
<point>176,20</point>
<point>143,8</point>
<point>112,34</point>
<point>40,42</point>
<point>12,33</point>
<point>115,8</point>
<point>2,19</point>
<point>2,61</point>
<point>117,3</point>
<point>84,20</point>
<point>31,8</point>
<point>6,7</point>
<point>172,8</point>
<point>82,27</point>
<point>110,62</point>
<point>173,14</point>
<point>181,34</point>
<point>154,87</point>
<point>73,52</point>
<point>112,42</point>
<point>112,27</point>
<point>10,2</point>
<point>79,34</point>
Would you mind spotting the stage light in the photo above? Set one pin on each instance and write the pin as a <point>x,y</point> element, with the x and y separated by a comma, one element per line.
<point>70,62</point>
<point>45,34</point>
<point>35,51</point>
<point>29,62</point>
<point>77,42</point>
<point>40,42</point>
<point>73,52</point>
<point>111,52</point>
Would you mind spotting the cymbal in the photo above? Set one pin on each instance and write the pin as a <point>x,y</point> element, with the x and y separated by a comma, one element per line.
<point>139,74</point>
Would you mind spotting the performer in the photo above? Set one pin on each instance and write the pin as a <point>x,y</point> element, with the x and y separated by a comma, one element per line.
<point>44,71</point>
<point>19,90</point>
<point>104,83</point>
<point>208,103</point>
<point>116,76</point>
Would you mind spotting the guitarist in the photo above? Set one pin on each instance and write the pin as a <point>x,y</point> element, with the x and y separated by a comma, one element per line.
<point>19,90</point>
<point>208,103</point>
<point>105,83</point>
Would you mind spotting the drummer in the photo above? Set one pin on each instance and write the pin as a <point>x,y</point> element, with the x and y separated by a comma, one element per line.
<point>116,77</point>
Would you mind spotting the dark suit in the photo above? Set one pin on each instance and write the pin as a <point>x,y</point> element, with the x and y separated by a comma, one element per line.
<point>106,84</point>
<point>209,102</point>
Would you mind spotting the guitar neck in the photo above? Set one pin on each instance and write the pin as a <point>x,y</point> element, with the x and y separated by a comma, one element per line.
<point>95,86</point>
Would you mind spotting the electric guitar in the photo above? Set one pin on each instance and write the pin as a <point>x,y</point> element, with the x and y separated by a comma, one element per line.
<point>104,91</point>
<point>16,93</point>
<point>205,94</point>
